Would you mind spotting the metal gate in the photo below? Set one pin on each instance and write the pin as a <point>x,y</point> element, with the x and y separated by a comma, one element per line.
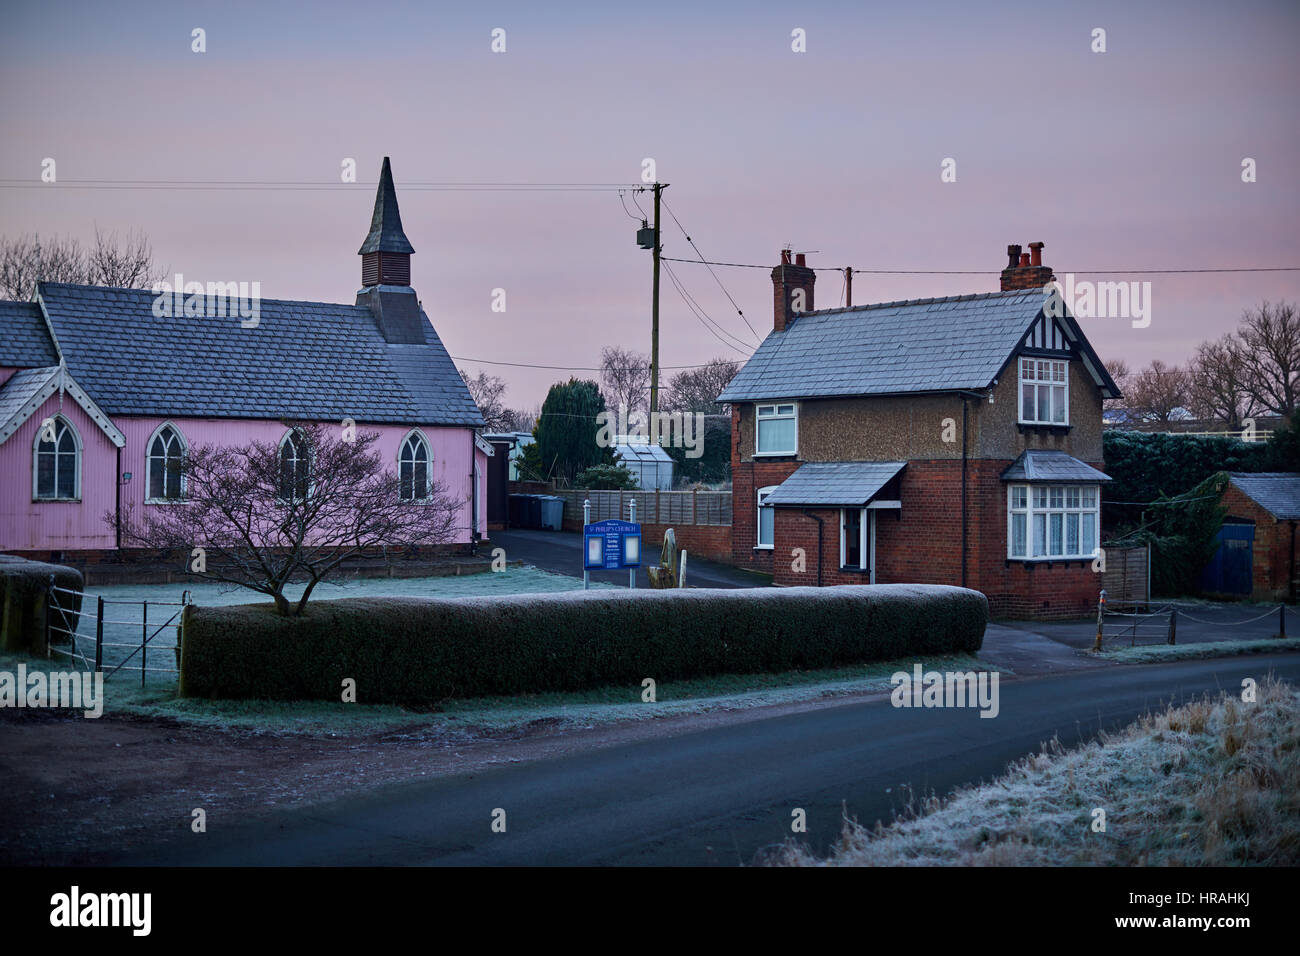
<point>106,635</point>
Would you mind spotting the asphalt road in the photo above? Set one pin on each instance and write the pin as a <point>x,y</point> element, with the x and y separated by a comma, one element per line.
<point>714,796</point>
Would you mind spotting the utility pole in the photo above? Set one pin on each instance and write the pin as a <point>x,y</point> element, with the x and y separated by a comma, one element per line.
<point>654,312</point>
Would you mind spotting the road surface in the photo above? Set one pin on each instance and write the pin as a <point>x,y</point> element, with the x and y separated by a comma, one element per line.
<point>709,797</point>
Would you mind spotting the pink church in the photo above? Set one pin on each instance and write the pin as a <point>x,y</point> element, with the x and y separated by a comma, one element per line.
<point>100,388</point>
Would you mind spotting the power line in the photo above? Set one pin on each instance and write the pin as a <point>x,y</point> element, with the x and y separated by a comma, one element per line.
<point>304,186</point>
<point>986,272</point>
<point>566,368</point>
<point>702,317</point>
<point>738,309</point>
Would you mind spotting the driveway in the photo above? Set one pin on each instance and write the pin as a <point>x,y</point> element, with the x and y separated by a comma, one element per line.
<point>561,553</point>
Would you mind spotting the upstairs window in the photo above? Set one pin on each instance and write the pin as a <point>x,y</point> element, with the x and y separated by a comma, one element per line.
<point>1052,521</point>
<point>413,468</point>
<point>56,471</point>
<point>166,460</point>
<point>1044,392</point>
<point>777,431</point>
<point>295,467</point>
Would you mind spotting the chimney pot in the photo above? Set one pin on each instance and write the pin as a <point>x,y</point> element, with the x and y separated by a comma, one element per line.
<point>799,260</point>
<point>1013,256</point>
<point>785,257</point>
<point>1036,253</point>
<point>1024,260</point>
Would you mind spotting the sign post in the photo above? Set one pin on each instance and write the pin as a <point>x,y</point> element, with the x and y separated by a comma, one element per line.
<point>610,546</point>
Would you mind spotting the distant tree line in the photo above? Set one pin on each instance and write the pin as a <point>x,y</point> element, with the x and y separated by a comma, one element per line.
<point>1253,370</point>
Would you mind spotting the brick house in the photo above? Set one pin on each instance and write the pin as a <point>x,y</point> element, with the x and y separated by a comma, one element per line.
<point>945,441</point>
<point>1270,502</point>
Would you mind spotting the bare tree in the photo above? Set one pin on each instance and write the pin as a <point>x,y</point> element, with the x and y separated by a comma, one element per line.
<point>1158,393</point>
<point>125,262</point>
<point>1122,376</point>
<point>1217,382</point>
<point>521,419</point>
<point>30,259</point>
<point>263,515</point>
<point>487,392</point>
<point>697,389</point>
<point>1269,338</point>
<point>624,379</point>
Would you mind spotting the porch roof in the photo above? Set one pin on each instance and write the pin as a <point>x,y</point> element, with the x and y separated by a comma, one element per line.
<point>838,483</point>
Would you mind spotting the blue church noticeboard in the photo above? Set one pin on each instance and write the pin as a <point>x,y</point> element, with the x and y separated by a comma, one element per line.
<point>611,545</point>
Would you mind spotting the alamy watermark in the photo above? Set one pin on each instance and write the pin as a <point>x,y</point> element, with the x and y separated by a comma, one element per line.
<point>666,429</point>
<point>951,689</point>
<point>1099,300</point>
<point>194,300</point>
<point>71,690</point>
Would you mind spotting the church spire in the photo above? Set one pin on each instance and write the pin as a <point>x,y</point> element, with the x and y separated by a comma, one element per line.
<point>386,253</point>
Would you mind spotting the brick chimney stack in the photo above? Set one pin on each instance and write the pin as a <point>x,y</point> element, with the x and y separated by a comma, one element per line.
<point>1025,270</point>
<point>787,279</point>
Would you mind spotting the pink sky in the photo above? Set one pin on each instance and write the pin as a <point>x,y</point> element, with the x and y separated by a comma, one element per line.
<point>1129,159</point>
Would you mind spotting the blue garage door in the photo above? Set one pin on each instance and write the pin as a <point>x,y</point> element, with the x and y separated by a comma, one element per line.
<point>1229,571</point>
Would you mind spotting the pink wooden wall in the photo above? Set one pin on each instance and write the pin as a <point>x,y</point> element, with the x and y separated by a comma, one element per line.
<point>27,525</point>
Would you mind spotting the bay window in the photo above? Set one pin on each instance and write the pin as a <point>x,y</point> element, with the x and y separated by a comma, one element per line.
<point>1052,521</point>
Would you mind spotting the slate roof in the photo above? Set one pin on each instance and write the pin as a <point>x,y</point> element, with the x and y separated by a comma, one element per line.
<point>919,345</point>
<point>835,483</point>
<point>1277,492</point>
<point>21,387</point>
<point>1049,465</point>
<point>311,360</point>
<point>386,233</point>
<point>24,340</point>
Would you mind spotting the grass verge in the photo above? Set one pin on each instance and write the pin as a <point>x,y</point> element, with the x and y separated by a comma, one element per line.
<point>1155,653</point>
<point>503,715</point>
<point>1214,782</point>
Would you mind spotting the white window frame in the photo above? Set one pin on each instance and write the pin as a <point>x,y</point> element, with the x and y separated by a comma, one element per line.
<point>775,414</point>
<point>76,470</point>
<point>758,520</point>
<point>866,540</point>
<point>1032,508</point>
<point>148,466</point>
<point>1051,383</point>
<point>311,465</point>
<point>418,435</point>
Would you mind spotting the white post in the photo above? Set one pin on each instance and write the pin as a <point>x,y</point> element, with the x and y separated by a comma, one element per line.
<point>631,572</point>
<point>586,520</point>
<point>681,576</point>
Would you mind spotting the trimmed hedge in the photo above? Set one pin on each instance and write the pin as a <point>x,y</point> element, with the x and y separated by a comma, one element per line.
<point>420,651</point>
<point>24,593</point>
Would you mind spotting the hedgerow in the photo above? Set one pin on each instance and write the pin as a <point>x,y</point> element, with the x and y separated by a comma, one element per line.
<point>420,651</point>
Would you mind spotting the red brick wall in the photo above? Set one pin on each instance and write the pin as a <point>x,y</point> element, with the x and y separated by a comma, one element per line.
<point>922,544</point>
<point>746,478</point>
<point>1271,560</point>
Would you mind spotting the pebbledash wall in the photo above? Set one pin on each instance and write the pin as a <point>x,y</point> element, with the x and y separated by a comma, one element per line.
<point>40,527</point>
<point>921,542</point>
